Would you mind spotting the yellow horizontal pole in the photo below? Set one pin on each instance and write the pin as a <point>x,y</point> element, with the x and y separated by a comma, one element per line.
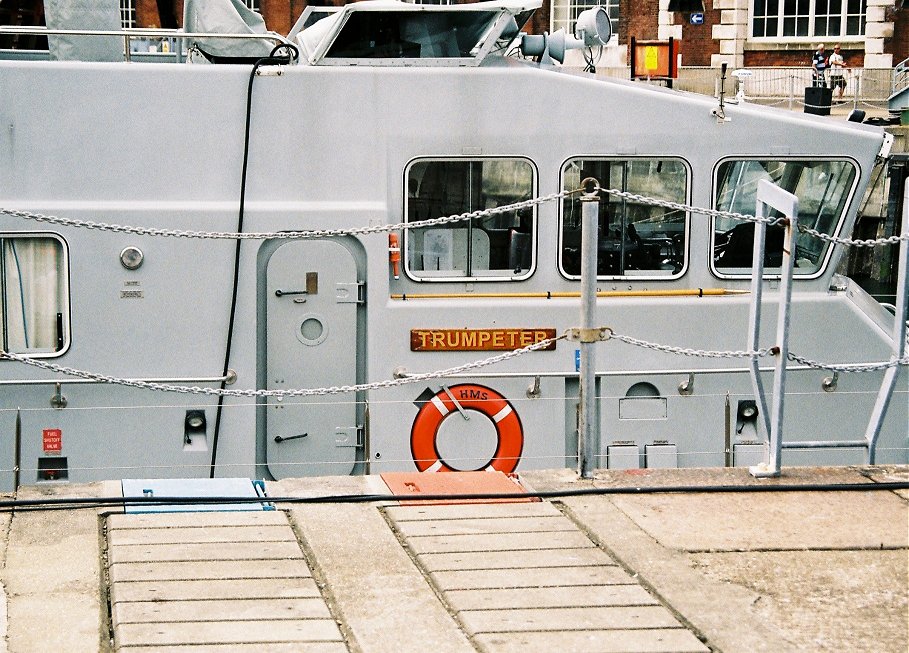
<point>685,292</point>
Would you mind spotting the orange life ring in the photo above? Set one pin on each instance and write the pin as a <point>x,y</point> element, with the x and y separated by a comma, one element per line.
<point>425,429</point>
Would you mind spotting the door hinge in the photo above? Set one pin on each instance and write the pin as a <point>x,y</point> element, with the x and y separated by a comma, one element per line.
<point>351,293</point>
<point>350,436</point>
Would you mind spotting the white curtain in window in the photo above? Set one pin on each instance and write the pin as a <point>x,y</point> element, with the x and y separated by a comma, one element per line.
<point>34,292</point>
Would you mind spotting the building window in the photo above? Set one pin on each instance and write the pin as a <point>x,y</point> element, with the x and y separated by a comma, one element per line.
<point>253,5</point>
<point>128,13</point>
<point>490,248</point>
<point>33,294</point>
<point>636,239</point>
<point>808,18</point>
<point>823,188</point>
<point>565,13</point>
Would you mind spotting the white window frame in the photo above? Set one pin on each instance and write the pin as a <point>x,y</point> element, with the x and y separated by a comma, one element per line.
<point>64,289</point>
<point>565,13</point>
<point>128,13</point>
<point>810,16</point>
<point>636,275</point>
<point>448,276</point>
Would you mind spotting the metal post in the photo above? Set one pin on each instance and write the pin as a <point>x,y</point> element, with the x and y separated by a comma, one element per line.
<point>17,451</point>
<point>754,314</point>
<point>788,204</point>
<point>899,339</point>
<point>588,429</point>
<point>791,90</point>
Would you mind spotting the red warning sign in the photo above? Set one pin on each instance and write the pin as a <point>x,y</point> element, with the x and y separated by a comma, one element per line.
<point>53,440</point>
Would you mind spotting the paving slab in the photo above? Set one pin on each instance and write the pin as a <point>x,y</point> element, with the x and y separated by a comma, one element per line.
<point>220,610</point>
<point>497,541</point>
<point>773,521</point>
<point>60,621</point>
<point>587,556</point>
<point>311,647</point>
<point>209,570</point>
<point>824,600</point>
<point>298,631</point>
<point>604,574</point>
<point>549,523</point>
<point>205,551</point>
<point>233,589</point>
<point>178,520</point>
<point>549,597</point>
<point>52,574</point>
<point>676,640</point>
<point>201,535</point>
<point>472,511</point>
<point>567,619</point>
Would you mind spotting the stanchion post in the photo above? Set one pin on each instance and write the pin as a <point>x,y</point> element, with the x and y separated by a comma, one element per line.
<point>788,204</point>
<point>899,339</point>
<point>588,429</point>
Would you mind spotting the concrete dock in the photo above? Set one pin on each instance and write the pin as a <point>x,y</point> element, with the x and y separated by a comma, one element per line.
<point>697,570</point>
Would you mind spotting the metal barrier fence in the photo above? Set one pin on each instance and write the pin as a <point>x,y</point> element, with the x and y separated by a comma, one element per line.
<point>866,88</point>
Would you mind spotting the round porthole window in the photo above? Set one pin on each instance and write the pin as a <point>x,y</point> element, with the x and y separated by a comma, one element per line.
<point>312,330</point>
<point>131,258</point>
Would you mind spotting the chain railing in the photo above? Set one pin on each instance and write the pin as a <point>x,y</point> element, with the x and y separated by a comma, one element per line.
<point>768,196</point>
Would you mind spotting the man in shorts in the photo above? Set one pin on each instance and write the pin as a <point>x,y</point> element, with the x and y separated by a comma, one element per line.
<point>818,66</point>
<point>838,68</point>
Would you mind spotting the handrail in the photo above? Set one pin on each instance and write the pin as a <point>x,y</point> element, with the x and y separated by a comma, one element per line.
<point>128,33</point>
<point>138,32</point>
<point>229,378</point>
<point>900,80</point>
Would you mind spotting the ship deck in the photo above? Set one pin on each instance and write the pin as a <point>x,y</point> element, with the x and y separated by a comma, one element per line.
<point>632,570</point>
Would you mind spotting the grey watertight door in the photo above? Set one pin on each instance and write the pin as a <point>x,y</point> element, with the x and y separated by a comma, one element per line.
<point>311,333</point>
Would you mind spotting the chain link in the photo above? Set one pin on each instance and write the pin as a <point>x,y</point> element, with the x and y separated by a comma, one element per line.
<point>870,367</point>
<point>416,378</point>
<point>420,224</point>
<point>306,392</point>
<point>286,235</point>
<point>690,352</point>
<point>849,242</point>
<point>675,206</point>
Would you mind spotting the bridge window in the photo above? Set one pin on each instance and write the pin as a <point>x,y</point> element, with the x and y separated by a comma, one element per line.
<point>636,238</point>
<point>823,189</point>
<point>485,248</point>
<point>33,294</point>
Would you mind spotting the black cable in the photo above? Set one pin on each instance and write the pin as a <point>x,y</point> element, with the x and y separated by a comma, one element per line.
<point>270,60</point>
<point>95,502</point>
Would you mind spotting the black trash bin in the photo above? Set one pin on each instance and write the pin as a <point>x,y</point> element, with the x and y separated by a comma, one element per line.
<point>818,100</point>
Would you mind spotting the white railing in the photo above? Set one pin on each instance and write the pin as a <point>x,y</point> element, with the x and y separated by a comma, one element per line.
<point>782,86</point>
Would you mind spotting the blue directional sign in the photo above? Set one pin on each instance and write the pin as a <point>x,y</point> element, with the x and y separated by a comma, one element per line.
<point>697,18</point>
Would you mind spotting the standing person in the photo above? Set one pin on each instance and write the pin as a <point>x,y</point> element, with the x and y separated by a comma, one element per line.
<point>818,65</point>
<point>838,69</point>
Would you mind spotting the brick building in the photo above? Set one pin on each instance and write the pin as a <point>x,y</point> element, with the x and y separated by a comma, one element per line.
<point>873,33</point>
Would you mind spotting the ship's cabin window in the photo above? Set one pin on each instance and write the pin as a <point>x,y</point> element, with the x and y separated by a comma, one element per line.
<point>636,239</point>
<point>487,248</point>
<point>823,189</point>
<point>33,294</point>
